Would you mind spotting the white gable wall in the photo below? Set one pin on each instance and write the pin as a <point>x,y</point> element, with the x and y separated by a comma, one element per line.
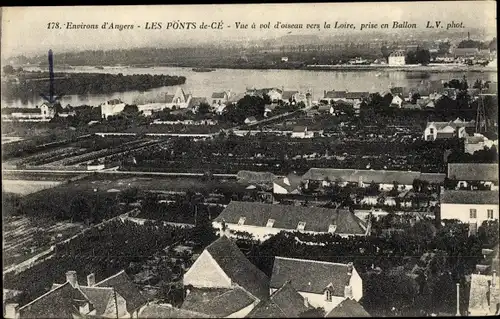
<point>205,272</point>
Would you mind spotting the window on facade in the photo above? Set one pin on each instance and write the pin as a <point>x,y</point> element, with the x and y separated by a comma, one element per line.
<point>328,295</point>
<point>473,213</point>
<point>490,213</point>
<point>332,228</point>
<point>431,131</point>
<point>241,221</point>
<point>301,225</point>
<point>270,223</point>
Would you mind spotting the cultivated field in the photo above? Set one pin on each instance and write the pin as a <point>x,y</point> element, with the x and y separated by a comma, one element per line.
<point>24,187</point>
<point>26,237</point>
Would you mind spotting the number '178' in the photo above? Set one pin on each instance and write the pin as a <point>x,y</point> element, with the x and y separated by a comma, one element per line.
<point>53,25</point>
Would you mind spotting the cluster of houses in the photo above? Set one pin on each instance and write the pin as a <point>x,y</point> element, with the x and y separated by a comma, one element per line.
<point>183,102</point>
<point>42,113</point>
<point>222,283</point>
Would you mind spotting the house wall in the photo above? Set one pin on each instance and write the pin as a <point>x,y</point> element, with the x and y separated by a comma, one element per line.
<point>428,136</point>
<point>205,272</point>
<point>109,110</point>
<point>262,233</point>
<point>397,60</point>
<point>462,212</point>
<point>357,285</point>
<point>277,189</point>
<point>120,304</point>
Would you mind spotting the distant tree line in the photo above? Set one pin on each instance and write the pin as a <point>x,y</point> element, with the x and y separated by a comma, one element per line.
<point>87,83</point>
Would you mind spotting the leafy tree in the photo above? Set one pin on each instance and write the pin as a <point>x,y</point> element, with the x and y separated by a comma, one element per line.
<point>203,108</point>
<point>8,69</point>
<point>130,109</point>
<point>488,232</point>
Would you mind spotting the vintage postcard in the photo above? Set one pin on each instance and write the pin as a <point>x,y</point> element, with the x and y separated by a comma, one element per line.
<point>250,160</point>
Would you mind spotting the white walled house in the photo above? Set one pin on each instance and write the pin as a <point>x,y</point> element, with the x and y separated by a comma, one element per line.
<point>301,132</point>
<point>111,107</point>
<point>179,99</point>
<point>478,142</point>
<point>220,276</point>
<point>452,129</point>
<point>322,284</point>
<point>397,58</point>
<point>265,220</point>
<point>363,178</point>
<point>471,175</point>
<point>397,101</point>
<point>472,207</point>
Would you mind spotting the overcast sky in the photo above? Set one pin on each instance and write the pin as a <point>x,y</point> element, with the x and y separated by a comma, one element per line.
<point>24,29</point>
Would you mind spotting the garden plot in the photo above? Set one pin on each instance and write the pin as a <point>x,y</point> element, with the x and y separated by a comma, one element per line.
<point>25,187</point>
<point>26,237</point>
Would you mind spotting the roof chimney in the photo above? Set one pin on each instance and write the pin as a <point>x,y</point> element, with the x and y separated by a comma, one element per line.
<point>91,280</point>
<point>71,278</point>
<point>350,267</point>
<point>11,310</point>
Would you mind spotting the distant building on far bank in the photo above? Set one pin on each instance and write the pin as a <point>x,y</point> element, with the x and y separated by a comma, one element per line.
<point>397,57</point>
<point>112,107</point>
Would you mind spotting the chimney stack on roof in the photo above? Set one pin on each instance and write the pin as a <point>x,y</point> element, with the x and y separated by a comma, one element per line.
<point>72,278</point>
<point>350,267</point>
<point>91,280</point>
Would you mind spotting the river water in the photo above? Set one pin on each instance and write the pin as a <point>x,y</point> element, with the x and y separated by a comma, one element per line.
<point>203,84</point>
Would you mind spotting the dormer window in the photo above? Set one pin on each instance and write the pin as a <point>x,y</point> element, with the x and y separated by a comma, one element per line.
<point>241,221</point>
<point>332,228</point>
<point>328,295</point>
<point>270,222</point>
<point>301,225</point>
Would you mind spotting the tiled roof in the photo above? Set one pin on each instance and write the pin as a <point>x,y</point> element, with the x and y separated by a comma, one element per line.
<point>335,94</point>
<point>98,296</point>
<point>61,302</point>
<point>299,129</point>
<point>217,302</point>
<point>348,308</point>
<point>287,217</point>
<point>398,90</point>
<point>366,176</point>
<point>310,275</point>
<point>252,176</point>
<point>285,302</point>
<point>218,95</point>
<point>288,94</point>
<point>473,171</point>
<point>478,297</point>
<point>356,95</point>
<point>154,310</point>
<point>441,135</point>
<point>469,197</point>
<point>433,178</point>
<point>237,267</point>
<point>169,98</point>
<point>126,288</point>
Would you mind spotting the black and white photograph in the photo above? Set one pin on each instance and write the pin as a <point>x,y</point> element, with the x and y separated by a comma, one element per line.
<point>257,160</point>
